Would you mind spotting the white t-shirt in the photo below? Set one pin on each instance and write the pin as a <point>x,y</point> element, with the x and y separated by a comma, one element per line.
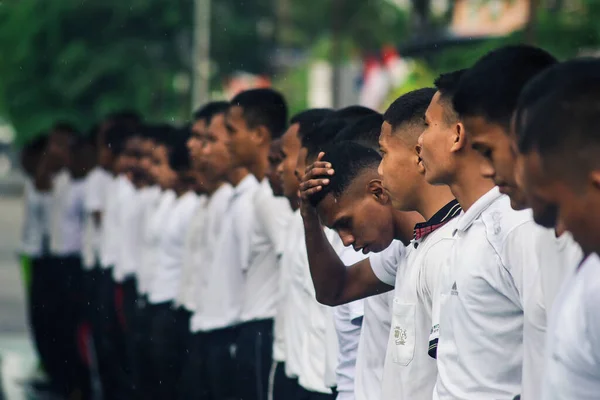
<point>66,215</point>
<point>490,273</point>
<point>111,234</point>
<point>129,256</point>
<point>376,325</point>
<point>156,219</point>
<point>35,219</point>
<point>222,282</point>
<point>291,240</point>
<point>150,197</point>
<point>347,326</point>
<point>97,184</point>
<point>204,317</point>
<point>559,257</point>
<point>258,227</point>
<point>573,360</point>
<point>166,279</point>
<point>409,372</point>
<point>189,274</point>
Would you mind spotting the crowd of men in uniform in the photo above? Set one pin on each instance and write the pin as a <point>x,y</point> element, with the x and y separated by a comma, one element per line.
<point>445,249</point>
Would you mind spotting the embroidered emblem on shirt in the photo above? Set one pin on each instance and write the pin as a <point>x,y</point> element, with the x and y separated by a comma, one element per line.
<point>454,291</point>
<point>400,336</point>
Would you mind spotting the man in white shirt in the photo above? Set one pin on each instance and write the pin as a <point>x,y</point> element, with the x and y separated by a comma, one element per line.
<point>490,135</point>
<point>281,386</point>
<point>255,118</point>
<point>555,126</point>
<point>214,322</point>
<point>34,238</point>
<point>383,271</point>
<point>492,267</point>
<point>64,307</point>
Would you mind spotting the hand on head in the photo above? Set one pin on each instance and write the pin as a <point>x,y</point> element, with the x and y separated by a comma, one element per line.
<point>314,179</point>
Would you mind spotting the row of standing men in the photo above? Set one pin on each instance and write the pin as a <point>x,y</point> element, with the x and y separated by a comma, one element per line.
<point>210,257</point>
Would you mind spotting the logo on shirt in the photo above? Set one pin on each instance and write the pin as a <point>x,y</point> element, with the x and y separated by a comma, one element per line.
<point>400,336</point>
<point>454,291</point>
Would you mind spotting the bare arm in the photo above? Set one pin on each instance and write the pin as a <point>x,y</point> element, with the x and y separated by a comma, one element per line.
<point>334,283</point>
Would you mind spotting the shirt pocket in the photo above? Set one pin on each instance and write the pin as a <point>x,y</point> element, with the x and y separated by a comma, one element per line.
<point>403,333</point>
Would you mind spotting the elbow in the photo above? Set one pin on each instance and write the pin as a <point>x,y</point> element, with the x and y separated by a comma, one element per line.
<point>327,300</point>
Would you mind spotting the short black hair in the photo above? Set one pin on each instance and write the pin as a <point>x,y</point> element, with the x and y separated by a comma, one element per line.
<point>36,145</point>
<point>349,160</point>
<point>447,84</point>
<point>310,119</point>
<point>565,119</point>
<point>265,107</point>
<point>179,156</point>
<point>116,136</point>
<point>409,108</point>
<point>352,114</point>
<point>127,117</point>
<point>209,110</point>
<point>365,131</point>
<point>491,87</point>
<point>323,134</point>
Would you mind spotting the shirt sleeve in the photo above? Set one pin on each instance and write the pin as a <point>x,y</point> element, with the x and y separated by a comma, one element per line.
<point>591,271</point>
<point>273,214</point>
<point>244,225</point>
<point>385,264</point>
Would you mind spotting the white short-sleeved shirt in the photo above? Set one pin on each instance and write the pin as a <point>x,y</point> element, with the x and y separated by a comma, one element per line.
<point>150,200</point>
<point>66,215</point>
<point>154,224</point>
<point>291,239</point>
<point>260,225</point>
<point>166,278</point>
<point>346,330</point>
<point>372,345</point>
<point>222,279</point>
<point>97,184</point>
<point>129,257</point>
<point>573,357</point>
<point>409,372</point>
<point>189,274</point>
<point>318,347</point>
<point>204,254</point>
<point>490,273</point>
<point>35,219</point>
<point>559,257</point>
<point>110,233</point>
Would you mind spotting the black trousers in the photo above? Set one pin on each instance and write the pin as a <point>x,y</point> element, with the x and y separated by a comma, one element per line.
<point>57,307</point>
<point>254,357</point>
<point>37,307</point>
<point>304,394</point>
<point>142,359</point>
<point>194,376</point>
<point>115,377</point>
<point>169,331</point>
<point>282,387</point>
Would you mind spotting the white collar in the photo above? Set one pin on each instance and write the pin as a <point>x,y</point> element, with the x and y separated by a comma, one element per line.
<point>467,219</point>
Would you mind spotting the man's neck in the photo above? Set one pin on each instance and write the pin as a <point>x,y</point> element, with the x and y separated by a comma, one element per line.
<point>213,187</point>
<point>469,185</point>
<point>260,165</point>
<point>236,175</point>
<point>404,224</point>
<point>432,198</point>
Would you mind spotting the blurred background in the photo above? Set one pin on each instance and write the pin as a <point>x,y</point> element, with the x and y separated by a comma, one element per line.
<point>79,60</point>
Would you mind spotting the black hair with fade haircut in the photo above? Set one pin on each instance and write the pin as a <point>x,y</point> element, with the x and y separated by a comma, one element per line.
<point>409,109</point>
<point>352,114</point>
<point>323,134</point>
<point>209,110</point>
<point>365,132</point>
<point>565,120</point>
<point>491,87</point>
<point>349,160</point>
<point>310,119</point>
<point>447,85</point>
<point>179,156</point>
<point>265,107</point>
